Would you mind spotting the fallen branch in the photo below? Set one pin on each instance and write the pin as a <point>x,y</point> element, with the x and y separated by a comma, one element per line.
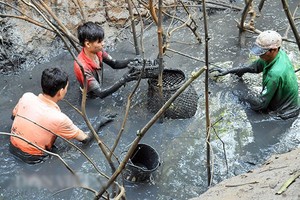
<point>289,26</point>
<point>288,183</point>
<point>242,184</point>
<point>271,169</point>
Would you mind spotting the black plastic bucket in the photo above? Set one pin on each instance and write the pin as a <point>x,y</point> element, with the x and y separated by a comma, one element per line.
<point>143,162</point>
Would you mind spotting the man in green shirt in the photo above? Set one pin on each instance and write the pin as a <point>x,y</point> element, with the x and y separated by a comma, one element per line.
<point>279,84</point>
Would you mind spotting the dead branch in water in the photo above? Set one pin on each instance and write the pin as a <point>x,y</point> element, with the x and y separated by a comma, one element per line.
<point>79,4</point>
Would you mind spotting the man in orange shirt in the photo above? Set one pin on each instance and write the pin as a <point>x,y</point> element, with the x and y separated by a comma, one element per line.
<point>35,115</point>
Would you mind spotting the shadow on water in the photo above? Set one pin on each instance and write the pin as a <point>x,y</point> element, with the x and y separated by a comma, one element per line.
<point>249,138</point>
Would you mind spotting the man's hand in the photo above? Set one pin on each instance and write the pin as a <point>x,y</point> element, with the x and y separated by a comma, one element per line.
<point>220,71</point>
<point>102,120</point>
<point>98,123</point>
<point>132,75</point>
<point>138,61</point>
<point>120,64</point>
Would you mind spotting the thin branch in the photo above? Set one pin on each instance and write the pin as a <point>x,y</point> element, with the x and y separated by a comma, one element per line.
<point>224,149</point>
<point>289,26</point>
<point>261,4</point>
<point>130,96</point>
<point>79,4</point>
<point>66,31</point>
<point>24,17</point>
<point>152,12</point>
<point>136,46</point>
<point>43,150</point>
<point>70,188</point>
<point>188,56</point>
<point>242,23</point>
<point>292,24</point>
<point>207,115</point>
<point>242,184</point>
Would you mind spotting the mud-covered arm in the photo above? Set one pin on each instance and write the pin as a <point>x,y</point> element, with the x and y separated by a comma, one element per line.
<point>116,64</point>
<point>255,67</point>
<point>104,92</point>
<point>99,122</point>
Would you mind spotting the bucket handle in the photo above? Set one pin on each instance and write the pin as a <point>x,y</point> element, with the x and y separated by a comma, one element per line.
<point>139,148</point>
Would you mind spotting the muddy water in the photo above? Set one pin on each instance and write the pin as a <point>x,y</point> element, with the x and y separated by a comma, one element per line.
<point>249,138</point>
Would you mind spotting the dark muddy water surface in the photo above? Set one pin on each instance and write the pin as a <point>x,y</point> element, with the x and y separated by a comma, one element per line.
<point>249,138</point>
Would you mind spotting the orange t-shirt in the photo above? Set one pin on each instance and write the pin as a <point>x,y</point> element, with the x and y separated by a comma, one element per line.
<point>45,113</point>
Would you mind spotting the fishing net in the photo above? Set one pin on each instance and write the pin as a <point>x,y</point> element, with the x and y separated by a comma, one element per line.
<point>184,106</point>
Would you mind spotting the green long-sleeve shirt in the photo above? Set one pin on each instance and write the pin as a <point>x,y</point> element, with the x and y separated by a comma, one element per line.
<point>279,86</point>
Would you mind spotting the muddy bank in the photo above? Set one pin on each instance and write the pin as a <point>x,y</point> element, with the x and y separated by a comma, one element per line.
<point>261,183</point>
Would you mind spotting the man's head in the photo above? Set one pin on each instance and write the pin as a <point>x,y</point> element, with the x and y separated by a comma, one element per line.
<point>90,32</point>
<point>54,80</point>
<point>265,42</point>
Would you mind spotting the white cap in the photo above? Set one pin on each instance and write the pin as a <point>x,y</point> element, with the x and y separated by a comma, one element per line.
<point>265,41</point>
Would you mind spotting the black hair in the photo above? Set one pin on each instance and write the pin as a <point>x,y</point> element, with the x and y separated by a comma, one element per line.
<point>53,79</point>
<point>90,31</point>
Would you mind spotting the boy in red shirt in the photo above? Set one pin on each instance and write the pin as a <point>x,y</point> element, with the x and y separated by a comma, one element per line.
<point>92,56</point>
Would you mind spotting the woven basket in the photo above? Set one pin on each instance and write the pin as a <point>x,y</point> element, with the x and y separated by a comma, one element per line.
<point>184,106</point>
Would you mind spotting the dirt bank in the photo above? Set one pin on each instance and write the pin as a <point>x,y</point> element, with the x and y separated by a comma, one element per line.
<point>261,183</point>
